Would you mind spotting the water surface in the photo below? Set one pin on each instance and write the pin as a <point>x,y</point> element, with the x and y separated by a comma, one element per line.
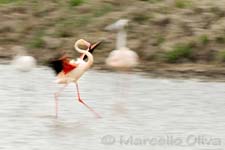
<point>137,112</point>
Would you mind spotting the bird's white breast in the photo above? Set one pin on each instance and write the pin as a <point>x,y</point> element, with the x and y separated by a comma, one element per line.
<point>76,73</point>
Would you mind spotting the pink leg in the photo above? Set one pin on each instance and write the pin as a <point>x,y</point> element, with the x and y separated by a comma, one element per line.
<point>56,99</point>
<point>81,101</point>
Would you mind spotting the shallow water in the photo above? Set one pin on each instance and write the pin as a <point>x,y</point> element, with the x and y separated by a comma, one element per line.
<point>137,112</point>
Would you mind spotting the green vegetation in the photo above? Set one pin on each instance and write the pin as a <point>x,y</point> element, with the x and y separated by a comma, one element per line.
<point>153,25</point>
<point>179,52</point>
<point>183,3</point>
<point>141,17</point>
<point>37,41</point>
<point>82,21</point>
<point>64,28</point>
<point>221,56</point>
<point>8,1</point>
<point>104,9</point>
<point>76,2</point>
<point>159,40</point>
<point>63,32</point>
<point>220,39</point>
<point>218,11</point>
<point>204,39</point>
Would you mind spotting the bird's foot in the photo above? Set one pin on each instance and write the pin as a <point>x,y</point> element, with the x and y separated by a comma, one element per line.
<point>91,109</point>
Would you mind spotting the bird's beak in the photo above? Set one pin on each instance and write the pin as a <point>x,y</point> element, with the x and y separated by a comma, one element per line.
<point>93,46</point>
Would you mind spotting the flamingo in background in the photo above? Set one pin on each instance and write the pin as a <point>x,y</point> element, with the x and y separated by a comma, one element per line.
<point>122,57</point>
<point>69,71</point>
<point>22,61</point>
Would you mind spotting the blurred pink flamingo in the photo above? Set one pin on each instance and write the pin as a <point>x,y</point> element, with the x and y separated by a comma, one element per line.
<point>69,70</point>
<point>122,57</point>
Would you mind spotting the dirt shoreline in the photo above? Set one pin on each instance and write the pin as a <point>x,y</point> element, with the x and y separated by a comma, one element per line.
<point>208,72</point>
<point>203,72</point>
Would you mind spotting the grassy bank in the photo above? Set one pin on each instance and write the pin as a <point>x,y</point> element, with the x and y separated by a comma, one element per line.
<point>160,31</point>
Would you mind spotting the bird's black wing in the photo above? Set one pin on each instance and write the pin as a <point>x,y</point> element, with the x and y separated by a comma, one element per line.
<point>56,65</point>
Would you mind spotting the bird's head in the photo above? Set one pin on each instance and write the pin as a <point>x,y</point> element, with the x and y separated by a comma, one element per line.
<point>118,25</point>
<point>82,44</point>
<point>92,47</point>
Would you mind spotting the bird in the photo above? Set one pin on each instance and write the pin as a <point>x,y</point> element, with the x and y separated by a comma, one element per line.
<point>70,70</point>
<point>122,57</point>
<point>22,61</point>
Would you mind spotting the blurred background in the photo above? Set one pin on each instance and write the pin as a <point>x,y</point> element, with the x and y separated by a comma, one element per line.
<point>173,38</point>
<point>169,35</point>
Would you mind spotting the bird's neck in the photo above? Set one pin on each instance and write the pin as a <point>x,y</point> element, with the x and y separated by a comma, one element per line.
<point>90,60</point>
<point>85,52</point>
<point>121,40</point>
